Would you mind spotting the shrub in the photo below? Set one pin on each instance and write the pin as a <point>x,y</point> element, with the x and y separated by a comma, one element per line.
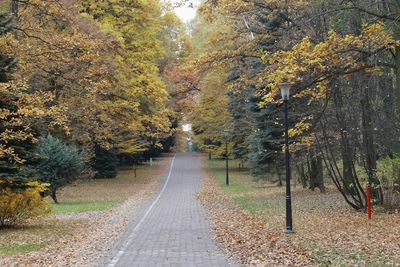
<point>21,201</point>
<point>59,164</point>
<point>389,174</point>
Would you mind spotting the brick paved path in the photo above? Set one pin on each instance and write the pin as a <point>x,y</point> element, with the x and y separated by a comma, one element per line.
<point>172,229</point>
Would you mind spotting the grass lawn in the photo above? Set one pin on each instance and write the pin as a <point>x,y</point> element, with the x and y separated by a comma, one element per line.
<point>33,236</point>
<point>83,196</point>
<point>325,226</point>
<point>103,194</point>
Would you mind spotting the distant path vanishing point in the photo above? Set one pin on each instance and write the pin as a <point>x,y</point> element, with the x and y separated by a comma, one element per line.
<point>172,229</point>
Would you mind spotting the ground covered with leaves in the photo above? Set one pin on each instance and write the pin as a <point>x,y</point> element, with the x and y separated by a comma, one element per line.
<point>249,218</point>
<point>103,206</point>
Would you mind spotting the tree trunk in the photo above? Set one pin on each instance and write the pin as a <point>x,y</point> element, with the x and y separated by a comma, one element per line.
<point>345,147</point>
<point>280,183</point>
<point>302,174</point>
<point>311,173</point>
<point>369,147</point>
<point>54,195</point>
<point>397,76</point>
<point>316,173</point>
<point>319,173</point>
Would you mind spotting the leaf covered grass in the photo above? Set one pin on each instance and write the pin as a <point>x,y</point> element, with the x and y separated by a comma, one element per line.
<point>326,228</point>
<point>33,236</point>
<point>74,201</point>
<point>101,194</point>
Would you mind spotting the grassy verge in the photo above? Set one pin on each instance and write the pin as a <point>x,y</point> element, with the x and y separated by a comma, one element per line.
<point>103,194</point>
<point>81,197</point>
<point>34,236</point>
<point>332,233</point>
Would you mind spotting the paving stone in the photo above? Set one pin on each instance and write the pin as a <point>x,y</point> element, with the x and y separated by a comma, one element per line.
<point>176,231</point>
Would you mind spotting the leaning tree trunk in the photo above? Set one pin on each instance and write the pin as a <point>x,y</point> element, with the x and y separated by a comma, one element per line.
<point>369,146</point>
<point>345,179</point>
<point>351,183</point>
<point>54,195</point>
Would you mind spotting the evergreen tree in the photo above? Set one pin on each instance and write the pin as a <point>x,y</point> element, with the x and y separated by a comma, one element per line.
<point>6,63</point>
<point>59,163</point>
<point>105,162</point>
<point>10,169</point>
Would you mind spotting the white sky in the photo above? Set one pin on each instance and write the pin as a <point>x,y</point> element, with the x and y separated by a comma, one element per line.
<point>187,127</point>
<point>187,13</point>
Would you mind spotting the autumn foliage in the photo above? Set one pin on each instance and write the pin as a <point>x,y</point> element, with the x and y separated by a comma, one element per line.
<point>21,201</point>
<point>89,74</point>
<point>342,62</point>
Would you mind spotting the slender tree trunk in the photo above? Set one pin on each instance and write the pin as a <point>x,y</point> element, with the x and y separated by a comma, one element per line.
<point>369,146</point>
<point>397,76</point>
<point>302,174</point>
<point>311,172</point>
<point>320,177</point>
<point>54,195</point>
<point>280,183</point>
<point>345,147</point>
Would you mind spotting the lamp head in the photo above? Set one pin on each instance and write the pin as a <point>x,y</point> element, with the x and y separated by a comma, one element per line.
<point>285,90</point>
<point>226,133</point>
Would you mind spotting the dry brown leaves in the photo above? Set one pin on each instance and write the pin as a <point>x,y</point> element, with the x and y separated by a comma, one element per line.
<point>327,231</point>
<point>92,239</point>
<point>245,236</point>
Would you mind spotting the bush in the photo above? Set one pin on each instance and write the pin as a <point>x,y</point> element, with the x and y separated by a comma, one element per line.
<point>389,176</point>
<point>21,201</point>
<point>59,164</point>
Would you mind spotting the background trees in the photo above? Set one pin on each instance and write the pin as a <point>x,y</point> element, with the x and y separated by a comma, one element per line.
<point>341,59</point>
<point>89,74</point>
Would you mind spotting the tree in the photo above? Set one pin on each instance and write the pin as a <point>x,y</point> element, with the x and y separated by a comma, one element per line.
<point>105,163</point>
<point>342,64</point>
<point>59,164</point>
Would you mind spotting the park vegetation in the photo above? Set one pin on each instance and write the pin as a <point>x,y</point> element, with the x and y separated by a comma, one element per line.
<point>342,59</point>
<point>82,91</point>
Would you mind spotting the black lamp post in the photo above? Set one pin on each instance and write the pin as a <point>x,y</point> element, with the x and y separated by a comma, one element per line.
<point>285,91</point>
<point>226,158</point>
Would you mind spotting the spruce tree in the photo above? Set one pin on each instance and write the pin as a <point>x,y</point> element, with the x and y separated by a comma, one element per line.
<point>59,163</point>
<point>105,162</point>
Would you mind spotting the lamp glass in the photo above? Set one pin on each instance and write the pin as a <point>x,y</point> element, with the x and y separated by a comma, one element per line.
<point>226,133</point>
<point>285,90</point>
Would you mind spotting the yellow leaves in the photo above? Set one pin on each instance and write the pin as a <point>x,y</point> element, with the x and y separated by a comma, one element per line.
<point>318,61</point>
<point>21,204</point>
<point>299,128</point>
<point>24,109</point>
<point>7,44</point>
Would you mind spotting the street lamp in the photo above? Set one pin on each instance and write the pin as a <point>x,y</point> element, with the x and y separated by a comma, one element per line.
<point>285,92</point>
<point>226,132</point>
